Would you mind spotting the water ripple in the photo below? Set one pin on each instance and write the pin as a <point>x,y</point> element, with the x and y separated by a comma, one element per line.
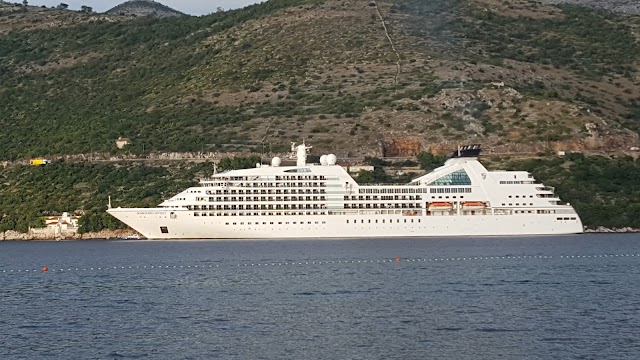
<point>534,308</point>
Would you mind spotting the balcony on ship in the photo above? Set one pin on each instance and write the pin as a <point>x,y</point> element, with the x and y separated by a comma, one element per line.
<point>546,189</point>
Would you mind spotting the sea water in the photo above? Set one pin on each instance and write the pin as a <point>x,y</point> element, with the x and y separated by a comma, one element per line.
<point>555,297</point>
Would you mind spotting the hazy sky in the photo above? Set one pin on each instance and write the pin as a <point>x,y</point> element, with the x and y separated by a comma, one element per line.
<point>193,7</point>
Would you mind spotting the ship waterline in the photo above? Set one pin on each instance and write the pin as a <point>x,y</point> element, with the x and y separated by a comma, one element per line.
<point>357,226</point>
<point>461,198</point>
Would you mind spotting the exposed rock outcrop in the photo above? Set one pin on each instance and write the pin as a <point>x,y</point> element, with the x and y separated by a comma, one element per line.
<point>144,8</point>
<point>402,147</point>
<point>621,6</point>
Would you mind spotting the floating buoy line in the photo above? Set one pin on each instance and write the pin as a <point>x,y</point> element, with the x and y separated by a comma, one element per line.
<point>396,260</point>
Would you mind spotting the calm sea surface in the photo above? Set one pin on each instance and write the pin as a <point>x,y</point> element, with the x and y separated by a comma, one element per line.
<point>462,298</point>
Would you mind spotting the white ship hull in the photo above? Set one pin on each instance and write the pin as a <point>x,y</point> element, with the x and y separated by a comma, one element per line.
<point>184,225</point>
<point>460,198</point>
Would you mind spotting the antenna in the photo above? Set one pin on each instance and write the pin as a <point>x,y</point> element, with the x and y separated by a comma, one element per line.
<point>109,206</point>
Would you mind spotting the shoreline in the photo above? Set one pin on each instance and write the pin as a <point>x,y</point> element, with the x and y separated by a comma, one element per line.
<point>11,235</point>
<point>604,230</point>
<point>131,235</point>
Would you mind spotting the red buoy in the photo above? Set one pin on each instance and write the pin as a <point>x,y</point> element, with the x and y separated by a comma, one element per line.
<point>397,259</point>
<point>45,269</point>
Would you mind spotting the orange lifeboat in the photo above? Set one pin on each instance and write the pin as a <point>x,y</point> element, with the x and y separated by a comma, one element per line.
<point>440,206</point>
<point>474,205</point>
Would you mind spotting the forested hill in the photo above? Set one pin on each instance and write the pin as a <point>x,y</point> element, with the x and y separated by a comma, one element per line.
<point>388,77</point>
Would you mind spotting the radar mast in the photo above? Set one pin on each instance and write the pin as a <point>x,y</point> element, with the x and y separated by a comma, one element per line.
<point>300,153</point>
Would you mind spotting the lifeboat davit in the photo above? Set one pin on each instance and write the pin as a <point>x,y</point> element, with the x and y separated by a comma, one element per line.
<point>440,206</point>
<point>474,205</point>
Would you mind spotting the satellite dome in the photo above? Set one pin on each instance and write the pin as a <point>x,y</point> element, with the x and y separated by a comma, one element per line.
<point>323,160</point>
<point>276,161</point>
<point>332,159</point>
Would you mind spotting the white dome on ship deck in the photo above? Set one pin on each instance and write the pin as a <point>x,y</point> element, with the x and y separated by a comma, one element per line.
<point>332,159</point>
<point>323,160</point>
<point>276,161</point>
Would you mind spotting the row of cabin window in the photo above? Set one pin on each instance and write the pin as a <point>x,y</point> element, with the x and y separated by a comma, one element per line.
<point>269,191</point>
<point>271,184</point>
<point>541,212</point>
<point>278,177</point>
<point>383,197</point>
<point>517,204</point>
<point>259,207</point>
<point>287,213</point>
<point>383,221</point>
<point>382,206</point>
<point>393,191</point>
<point>279,223</point>
<point>518,196</point>
<point>444,190</point>
<point>516,182</point>
<point>301,177</point>
<point>450,190</point>
<point>264,198</point>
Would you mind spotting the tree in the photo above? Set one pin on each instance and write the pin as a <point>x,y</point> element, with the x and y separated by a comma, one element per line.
<point>238,162</point>
<point>90,222</point>
<point>86,9</point>
<point>365,177</point>
<point>429,161</point>
<point>25,2</point>
<point>62,6</point>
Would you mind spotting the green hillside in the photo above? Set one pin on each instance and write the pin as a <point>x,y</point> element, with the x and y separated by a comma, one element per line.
<point>604,191</point>
<point>322,70</point>
<point>30,192</point>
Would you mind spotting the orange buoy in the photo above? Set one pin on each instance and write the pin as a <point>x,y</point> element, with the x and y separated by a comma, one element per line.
<point>397,259</point>
<point>45,269</point>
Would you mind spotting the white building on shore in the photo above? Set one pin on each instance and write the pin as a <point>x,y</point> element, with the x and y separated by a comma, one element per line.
<point>63,223</point>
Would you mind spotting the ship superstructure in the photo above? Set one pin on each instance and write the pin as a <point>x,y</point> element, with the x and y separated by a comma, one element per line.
<point>461,198</point>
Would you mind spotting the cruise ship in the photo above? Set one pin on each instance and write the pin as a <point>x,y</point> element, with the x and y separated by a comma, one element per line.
<point>460,198</point>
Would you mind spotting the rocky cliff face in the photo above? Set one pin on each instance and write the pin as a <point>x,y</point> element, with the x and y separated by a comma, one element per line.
<point>621,6</point>
<point>144,8</point>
